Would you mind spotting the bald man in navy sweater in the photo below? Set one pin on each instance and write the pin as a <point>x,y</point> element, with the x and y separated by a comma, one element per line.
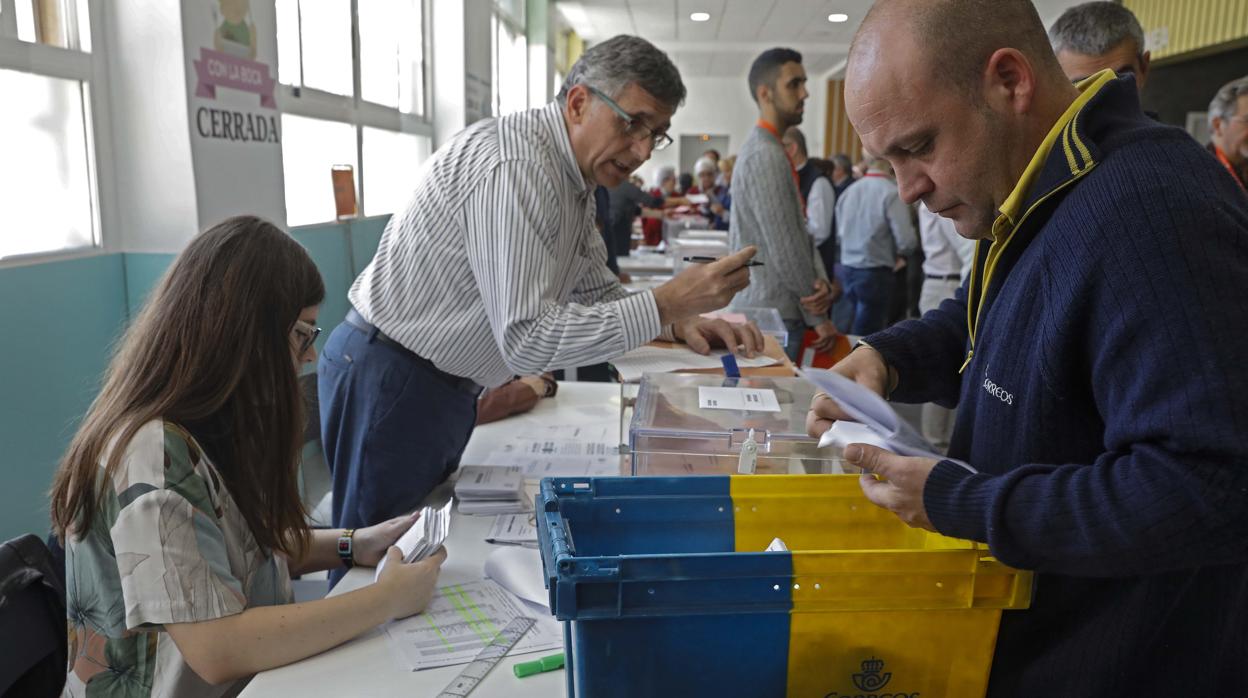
<point>1098,355</point>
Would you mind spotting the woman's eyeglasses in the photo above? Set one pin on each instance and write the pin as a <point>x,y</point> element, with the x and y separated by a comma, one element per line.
<point>306,335</point>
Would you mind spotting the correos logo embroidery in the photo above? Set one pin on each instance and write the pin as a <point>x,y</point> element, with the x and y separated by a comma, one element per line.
<point>872,678</point>
<point>997,391</point>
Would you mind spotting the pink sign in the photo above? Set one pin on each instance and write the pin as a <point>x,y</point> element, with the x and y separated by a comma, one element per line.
<point>216,69</point>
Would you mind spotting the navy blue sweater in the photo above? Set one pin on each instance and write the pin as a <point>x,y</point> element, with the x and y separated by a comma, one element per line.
<point>1106,408</point>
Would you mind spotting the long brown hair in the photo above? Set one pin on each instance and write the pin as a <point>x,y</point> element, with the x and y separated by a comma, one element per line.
<point>211,351</point>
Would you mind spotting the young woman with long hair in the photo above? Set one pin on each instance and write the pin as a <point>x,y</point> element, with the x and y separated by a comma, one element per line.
<point>177,500</point>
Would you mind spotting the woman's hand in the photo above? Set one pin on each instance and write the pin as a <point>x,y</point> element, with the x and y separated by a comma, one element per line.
<point>410,586</point>
<point>371,543</point>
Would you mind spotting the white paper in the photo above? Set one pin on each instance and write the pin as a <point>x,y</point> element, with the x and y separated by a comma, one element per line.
<point>519,570</point>
<point>751,399</point>
<point>648,359</point>
<point>424,537</point>
<point>560,447</point>
<point>492,507</point>
<point>875,424</point>
<point>558,457</point>
<point>596,432</point>
<point>697,198</point>
<point>476,482</point>
<point>462,619</point>
<point>514,529</point>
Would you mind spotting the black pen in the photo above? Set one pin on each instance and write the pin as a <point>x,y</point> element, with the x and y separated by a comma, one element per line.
<point>705,260</point>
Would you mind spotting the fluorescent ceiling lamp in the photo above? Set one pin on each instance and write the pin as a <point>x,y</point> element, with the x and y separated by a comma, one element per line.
<point>838,17</point>
<point>700,16</point>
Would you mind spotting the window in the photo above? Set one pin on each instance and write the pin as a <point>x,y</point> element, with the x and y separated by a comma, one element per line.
<point>510,57</point>
<point>345,101</point>
<point>47,179</point>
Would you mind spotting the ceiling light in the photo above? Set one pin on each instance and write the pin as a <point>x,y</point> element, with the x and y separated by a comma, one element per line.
<point>700,16</point>
<point>838,17</point>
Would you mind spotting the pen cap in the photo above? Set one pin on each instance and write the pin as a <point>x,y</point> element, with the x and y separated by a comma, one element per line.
<point>537,666</point>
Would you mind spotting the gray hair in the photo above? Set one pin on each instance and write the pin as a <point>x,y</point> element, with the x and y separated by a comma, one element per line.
<point>795,134</point>
<point>1093,28</point>
<point>1224,101</point>
<point>705,164</point>
<point>665,172</point>
<point>622,60</point>
<point>842,161</point>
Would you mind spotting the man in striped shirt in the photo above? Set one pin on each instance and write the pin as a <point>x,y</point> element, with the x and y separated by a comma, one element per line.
<point>495,269</point>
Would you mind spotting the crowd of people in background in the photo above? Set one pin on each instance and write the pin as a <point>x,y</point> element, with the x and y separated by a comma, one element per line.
<point>885,261</point>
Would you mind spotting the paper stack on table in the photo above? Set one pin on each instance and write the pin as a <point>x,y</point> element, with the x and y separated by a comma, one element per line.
<point>484,489</point>
<point>424,537</point>
<point>876,423</point>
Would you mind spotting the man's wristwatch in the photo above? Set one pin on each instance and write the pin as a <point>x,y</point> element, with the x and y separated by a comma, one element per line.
<point>346,548</point>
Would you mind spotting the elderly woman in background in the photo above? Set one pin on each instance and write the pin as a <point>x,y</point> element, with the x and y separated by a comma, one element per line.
<point>714,209</point>
<point>652,219</point>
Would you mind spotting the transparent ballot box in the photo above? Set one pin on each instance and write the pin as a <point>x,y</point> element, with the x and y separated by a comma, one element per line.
<point>699,424</point>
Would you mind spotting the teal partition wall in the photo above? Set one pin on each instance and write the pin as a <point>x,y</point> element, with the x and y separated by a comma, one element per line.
<point>61,320</point>
<point>365,236</point>
<point>330,249</point>
<point>143,271</point>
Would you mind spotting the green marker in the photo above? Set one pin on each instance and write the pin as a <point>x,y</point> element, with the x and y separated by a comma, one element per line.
<point>554,661</point>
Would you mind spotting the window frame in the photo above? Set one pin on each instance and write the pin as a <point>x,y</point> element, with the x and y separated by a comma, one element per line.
<point>500,17</point>
<point>353,110</point>
<point>90,70</point>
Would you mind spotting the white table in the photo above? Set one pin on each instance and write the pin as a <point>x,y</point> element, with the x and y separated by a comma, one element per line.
<point>368,666</point>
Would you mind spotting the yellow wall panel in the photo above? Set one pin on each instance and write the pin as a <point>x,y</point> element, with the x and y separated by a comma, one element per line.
<point>1190,25</point>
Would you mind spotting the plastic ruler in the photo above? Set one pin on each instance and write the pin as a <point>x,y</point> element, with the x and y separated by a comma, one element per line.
<point>487,658</point>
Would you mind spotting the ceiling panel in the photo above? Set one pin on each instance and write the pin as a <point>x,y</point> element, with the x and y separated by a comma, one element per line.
<point>609,21</point>
<point>743,19</point>
<point>654,19</point>
<point>740,29</point>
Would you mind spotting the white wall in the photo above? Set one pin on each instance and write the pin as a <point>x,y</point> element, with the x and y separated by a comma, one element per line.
<point>154,178</point>
<point>722,106</point>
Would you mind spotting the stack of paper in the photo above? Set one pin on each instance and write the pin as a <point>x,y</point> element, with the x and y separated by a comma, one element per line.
<point>424,537</point>
<point>483,489</point>
<point>875,422</point>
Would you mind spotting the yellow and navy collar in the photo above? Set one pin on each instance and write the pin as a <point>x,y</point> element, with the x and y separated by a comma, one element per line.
<point>1051,169</point>
<point>1052,172</point>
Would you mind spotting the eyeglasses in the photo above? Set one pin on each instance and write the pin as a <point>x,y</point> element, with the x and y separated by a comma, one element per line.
<point>634,127</point>
<point>307,335</point>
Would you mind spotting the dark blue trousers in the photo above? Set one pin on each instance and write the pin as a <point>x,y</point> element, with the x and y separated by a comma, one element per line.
<point>870,292</point>
<point>392,426</point>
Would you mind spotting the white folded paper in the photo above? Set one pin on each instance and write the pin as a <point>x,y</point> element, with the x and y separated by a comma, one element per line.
<point>424,537</point>
<point>876,423</point>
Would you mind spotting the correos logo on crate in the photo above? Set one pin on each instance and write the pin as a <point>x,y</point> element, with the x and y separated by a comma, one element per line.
<point>872,678</point>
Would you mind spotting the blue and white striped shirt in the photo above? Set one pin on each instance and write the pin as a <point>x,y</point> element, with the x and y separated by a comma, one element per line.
<point>495,267</point>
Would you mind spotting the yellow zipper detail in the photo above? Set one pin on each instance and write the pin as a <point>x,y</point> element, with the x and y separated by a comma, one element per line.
<point>990,262</point>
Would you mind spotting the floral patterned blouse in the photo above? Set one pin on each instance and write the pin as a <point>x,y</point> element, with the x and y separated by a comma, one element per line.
<point>167,545</point>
